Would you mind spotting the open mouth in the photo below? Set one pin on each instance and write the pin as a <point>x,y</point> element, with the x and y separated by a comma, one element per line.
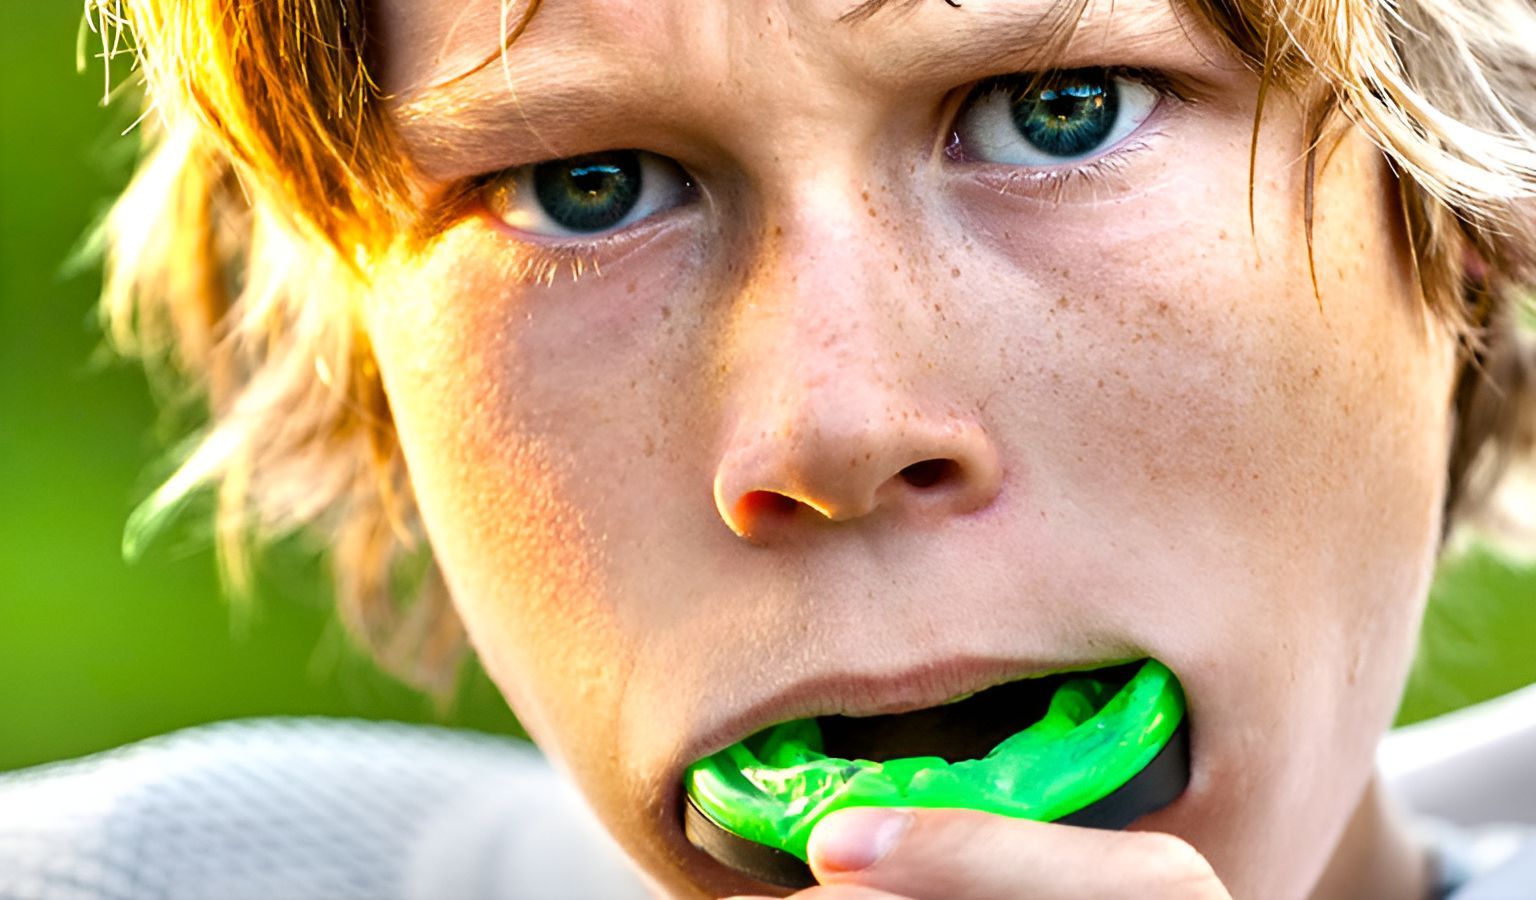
<point>1098,748</point>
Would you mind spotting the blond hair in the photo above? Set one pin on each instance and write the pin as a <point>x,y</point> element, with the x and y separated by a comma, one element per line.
<point>270,174</point>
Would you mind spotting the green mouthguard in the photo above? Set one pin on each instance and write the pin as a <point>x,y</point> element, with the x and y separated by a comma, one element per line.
<point>775,786</point>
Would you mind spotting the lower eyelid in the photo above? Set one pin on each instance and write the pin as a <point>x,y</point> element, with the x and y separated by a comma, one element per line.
<point>603,250</point>
<point>1101,178</point>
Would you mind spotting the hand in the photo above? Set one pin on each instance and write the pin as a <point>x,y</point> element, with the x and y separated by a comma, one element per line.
<point>955,854</point>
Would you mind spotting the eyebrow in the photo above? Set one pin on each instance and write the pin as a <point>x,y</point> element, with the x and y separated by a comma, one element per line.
<point>456,122</point>
<point>869,8</point>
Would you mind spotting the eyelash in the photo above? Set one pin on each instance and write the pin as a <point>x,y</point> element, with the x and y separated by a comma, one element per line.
<point>541,263</point>
<point>544,260</point>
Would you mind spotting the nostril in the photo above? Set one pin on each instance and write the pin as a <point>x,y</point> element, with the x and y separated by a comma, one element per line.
<point>756,504</point>
<point>929,472</point>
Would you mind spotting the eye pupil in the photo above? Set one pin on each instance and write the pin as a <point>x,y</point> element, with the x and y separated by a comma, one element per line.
<point>1071,115</point>
<point>592,179</point>
<point>589,193</point>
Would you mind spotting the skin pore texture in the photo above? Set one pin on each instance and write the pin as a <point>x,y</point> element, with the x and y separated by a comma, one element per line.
<point>668,495</point>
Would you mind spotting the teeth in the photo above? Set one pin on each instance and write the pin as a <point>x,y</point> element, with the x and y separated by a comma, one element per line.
<point>959,699</point>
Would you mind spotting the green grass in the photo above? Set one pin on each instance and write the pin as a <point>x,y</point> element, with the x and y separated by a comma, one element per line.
<point>1479,634</point>
<point>95,652</point>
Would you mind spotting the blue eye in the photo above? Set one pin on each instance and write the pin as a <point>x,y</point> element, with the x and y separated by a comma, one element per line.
<point>1031,120</point>
<point>588,194</point>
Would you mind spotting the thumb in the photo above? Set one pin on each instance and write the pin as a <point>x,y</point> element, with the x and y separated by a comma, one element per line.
<point>968,855</point>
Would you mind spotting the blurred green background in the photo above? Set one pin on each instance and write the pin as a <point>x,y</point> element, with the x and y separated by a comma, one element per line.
<point>95,652</point>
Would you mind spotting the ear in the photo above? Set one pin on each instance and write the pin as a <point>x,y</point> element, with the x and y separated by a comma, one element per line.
<point>1474,265</point>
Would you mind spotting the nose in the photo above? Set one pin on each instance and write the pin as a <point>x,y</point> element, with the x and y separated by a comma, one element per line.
<point>841,467</point>
<point>843,401</point>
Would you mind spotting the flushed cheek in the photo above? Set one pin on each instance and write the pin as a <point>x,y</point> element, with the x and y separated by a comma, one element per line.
<point>550,437</point>
<point>590,358</point>
<point>1155,340</point>
<point>1265,463</point>
<point>1313,442</point>
<point>477,402</point>
<point>1243,412</point>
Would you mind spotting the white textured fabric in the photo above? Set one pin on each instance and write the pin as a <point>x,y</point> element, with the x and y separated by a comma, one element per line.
<point>1472,766</point>
<point>1472,773</point>
<point>305,809</point>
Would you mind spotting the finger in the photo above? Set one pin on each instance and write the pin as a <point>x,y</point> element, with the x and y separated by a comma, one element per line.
<point>836,892</point>
<point>968,855</point>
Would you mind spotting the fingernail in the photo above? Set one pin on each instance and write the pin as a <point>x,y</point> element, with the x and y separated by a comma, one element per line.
<point>854,839</point>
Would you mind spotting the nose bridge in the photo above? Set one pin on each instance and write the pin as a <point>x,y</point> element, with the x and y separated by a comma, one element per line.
<point>833,406</point>
<point>818,332</point>
<point>829,268</point>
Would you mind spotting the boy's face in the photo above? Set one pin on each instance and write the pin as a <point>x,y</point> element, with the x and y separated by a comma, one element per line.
<point>676,499</point>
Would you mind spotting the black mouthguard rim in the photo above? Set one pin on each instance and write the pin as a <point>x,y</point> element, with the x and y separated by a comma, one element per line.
<point>1151,789</point>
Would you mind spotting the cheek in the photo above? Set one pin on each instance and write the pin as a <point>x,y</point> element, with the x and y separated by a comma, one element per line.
<point>491,474</point>
<point>1169,362</point>
<point>545,424</point>
<point>1264,464</point>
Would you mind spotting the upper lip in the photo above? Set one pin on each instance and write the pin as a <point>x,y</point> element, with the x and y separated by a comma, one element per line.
<point>878,693</point>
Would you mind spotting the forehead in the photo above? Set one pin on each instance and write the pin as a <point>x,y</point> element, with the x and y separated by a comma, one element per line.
<point>428,41</point>
<point>431,41</point>
<point>589,74</point>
